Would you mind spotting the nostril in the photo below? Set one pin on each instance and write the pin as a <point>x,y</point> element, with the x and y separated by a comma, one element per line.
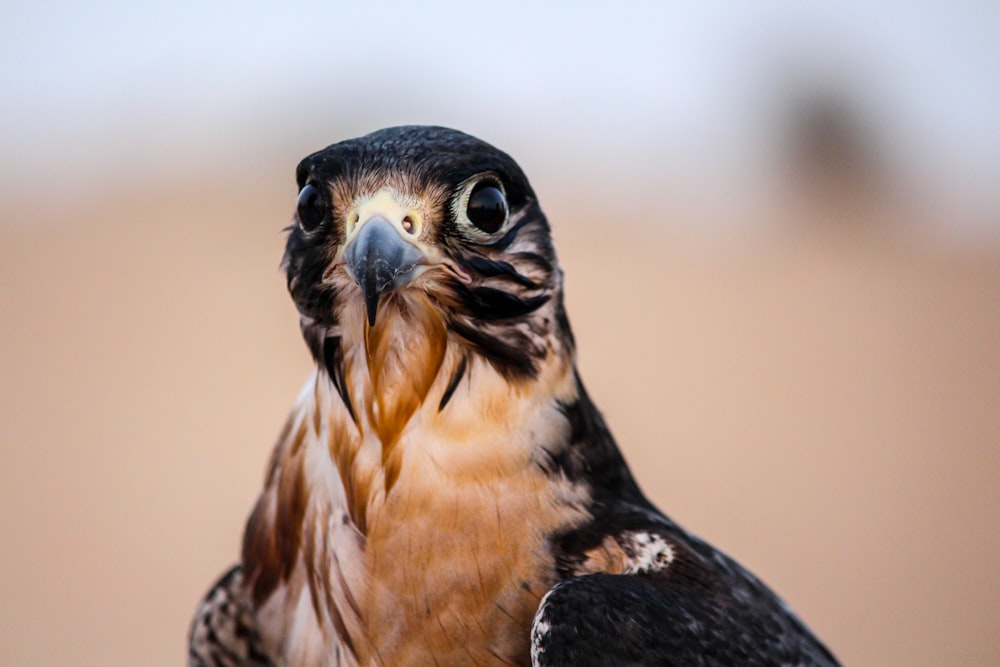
<point>408,225</point>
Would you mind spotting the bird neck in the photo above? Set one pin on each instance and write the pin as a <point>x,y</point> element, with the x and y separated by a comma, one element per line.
<point>393,416</point>
<point>408,402</point>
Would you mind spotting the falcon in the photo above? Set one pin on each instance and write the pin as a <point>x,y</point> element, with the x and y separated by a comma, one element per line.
<point>444,492</point>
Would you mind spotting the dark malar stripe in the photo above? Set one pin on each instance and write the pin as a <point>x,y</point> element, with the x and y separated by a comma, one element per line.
<point>453,383</point>
<point>489,303</point>
<point>333,361</point>
<point>490,268</point>
<point>510,360</point>
<point>306,266</point>
<point>543,263</point>
<point>504,241</point>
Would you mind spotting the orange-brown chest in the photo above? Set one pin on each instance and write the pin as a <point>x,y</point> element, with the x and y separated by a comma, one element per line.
<point>456,574</point>
<point>454,518</point>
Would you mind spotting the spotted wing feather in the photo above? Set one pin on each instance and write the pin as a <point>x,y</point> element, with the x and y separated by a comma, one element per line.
<point>702,609</point>
<point>224,633</point>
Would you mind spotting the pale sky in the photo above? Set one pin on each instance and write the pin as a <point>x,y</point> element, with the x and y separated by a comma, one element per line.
<point>696,90</point>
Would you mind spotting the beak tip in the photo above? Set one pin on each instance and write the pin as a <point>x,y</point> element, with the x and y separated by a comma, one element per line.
<point>371,307</point>
<point>380,261</point>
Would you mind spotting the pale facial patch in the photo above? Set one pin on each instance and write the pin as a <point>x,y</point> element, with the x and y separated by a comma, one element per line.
<point>394,198</point>
<point>404,212</point>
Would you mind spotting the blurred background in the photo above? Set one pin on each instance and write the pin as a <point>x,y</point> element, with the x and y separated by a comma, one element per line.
<point>780,226</point>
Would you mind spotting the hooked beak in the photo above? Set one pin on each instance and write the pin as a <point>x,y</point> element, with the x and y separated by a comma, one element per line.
<point>380,260</point>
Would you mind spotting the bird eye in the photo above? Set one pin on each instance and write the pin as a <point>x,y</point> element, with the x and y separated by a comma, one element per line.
<point>487,207</point>
<point>311,208</point>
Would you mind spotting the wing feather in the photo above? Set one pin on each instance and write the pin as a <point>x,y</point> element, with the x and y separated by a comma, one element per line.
<point>224,633</point>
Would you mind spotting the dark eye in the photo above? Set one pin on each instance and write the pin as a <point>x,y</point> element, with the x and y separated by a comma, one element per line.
<point>487,207</point>
<point>311,208</point>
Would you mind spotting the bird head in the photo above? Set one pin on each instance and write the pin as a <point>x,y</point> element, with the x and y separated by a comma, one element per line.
<point>426,232</point>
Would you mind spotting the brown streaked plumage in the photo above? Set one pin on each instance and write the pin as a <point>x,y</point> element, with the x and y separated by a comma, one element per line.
<point>444,492</point>
<point>404,352</point>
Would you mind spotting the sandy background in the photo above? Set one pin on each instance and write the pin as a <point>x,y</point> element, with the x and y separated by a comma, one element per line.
<point>824,406</point>
<point>780,228</point>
